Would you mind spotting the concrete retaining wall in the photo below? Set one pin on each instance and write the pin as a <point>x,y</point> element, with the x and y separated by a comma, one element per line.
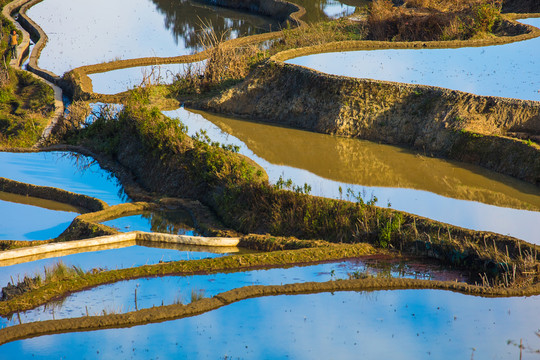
<point>117,239</point>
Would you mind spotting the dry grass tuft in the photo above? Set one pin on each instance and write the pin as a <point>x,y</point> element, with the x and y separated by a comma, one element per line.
<point>432,20</point>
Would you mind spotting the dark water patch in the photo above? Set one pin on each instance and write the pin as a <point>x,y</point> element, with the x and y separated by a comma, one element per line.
<point>404,324</point>
<point>447,191</point>
<point>324,10</point>
<point>134,294</point>
<point>508,70</point>
<point>64,170</point>
<point>170,222</point>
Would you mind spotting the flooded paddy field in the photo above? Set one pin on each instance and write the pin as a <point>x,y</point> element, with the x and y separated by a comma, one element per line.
<point>116,81</point>
<point>111,257</point>
<point>372,324</point>
<point>84,33</point>
<point>405,324</point>
<point>39,220</point>
<point>509,70</point>
<point>448,191</point>
<point>144,293</point>
<point>64,170</point>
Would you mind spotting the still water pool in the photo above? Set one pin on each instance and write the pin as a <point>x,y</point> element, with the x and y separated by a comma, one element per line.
<point>401,324</point>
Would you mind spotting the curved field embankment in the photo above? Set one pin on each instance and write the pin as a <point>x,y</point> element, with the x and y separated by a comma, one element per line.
<point>171,312</point>
<point>87,225</point>
<point>83,202</point>
<point>434,120</point>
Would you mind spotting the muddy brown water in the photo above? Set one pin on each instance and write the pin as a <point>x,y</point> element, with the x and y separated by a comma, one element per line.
<point>399,324</point>
<point>119,297</point>
<point>451,192</point>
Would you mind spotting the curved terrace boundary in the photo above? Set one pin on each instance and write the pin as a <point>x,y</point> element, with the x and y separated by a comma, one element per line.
<point>88,203</point>
<point>171,312</point>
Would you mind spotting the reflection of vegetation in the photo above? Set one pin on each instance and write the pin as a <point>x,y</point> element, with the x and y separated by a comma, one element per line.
<point>354,161</point>
<point>184,17</point>
<point>316,10</point>
<point>170,222</point>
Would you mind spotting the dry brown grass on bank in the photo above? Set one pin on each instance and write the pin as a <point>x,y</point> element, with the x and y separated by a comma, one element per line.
<point>432,20</point>
<point>224,66</point>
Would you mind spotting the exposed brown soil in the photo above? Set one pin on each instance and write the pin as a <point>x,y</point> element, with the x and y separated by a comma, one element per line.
<point>433,120</point>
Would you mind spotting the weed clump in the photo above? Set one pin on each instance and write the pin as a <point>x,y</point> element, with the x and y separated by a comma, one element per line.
<point>432,20</point>
<point>224,66</point>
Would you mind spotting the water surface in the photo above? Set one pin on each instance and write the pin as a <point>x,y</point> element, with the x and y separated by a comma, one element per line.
<point>450,192</point>
<point>402,324</point>
<point>176,222</point>
<point>511,70</point>
<point>90,32</point>
<point>19,221</point>
<point>116,81</point>
<point>64,170</point>
<point>120,297</point>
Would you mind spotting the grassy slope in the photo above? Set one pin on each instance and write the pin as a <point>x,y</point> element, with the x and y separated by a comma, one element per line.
<point>25,102</point>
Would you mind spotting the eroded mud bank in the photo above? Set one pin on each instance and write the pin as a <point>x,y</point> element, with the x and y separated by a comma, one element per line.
<point>433,120</point>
